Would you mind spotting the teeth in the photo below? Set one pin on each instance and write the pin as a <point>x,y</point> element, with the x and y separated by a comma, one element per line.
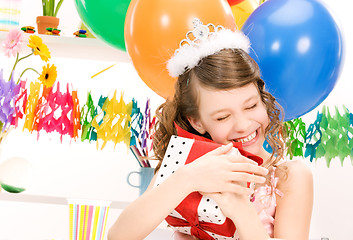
<point>248,138</point>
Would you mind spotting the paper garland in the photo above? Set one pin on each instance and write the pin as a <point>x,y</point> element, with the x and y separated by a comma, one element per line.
<point>51,110</point>
<point>88,112</point>
<point>328,137</point>
<point>114,125</point>
<point>117,121</point>
<point>8,93</point>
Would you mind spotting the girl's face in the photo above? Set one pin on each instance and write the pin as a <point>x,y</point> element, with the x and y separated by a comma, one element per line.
<point>236,115</point>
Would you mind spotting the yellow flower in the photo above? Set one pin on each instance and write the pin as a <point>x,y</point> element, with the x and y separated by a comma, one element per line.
<point>39,48</point>
<point>48,76</point>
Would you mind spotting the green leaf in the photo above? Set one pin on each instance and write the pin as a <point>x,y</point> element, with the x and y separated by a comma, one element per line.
<point>47,8</point>
<point>51,7</point>
<point>58,7</point>
<point>44,5</point>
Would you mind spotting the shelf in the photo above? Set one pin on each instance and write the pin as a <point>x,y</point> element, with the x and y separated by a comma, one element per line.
<point>80,48</point>
<point>15,197</point>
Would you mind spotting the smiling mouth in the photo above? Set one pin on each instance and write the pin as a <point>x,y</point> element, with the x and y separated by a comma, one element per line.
<point>247,138</point>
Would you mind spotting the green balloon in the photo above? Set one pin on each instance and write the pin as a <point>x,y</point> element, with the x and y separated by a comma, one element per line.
<point>105,19</point>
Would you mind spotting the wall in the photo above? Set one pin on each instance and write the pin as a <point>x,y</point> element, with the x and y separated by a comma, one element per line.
<point>75,169</point>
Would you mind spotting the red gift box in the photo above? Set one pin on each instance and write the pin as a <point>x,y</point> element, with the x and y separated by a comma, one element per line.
<point>196,215</point>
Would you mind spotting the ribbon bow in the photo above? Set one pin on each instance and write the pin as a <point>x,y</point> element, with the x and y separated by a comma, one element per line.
<point>198,229</point>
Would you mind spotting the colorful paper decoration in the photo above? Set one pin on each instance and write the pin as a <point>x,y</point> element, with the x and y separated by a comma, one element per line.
<point>8,93</point>
<point>114,125</point>
<point>313,138</point>
<point>75,115</point>
<point>336,138</point>
<point>42,108</point>
<point>31,105</point>
<point>88,112</point>
<point>20,104</point>
<point>330,136</point>
<point>58,112</point>
<point>296,136</point>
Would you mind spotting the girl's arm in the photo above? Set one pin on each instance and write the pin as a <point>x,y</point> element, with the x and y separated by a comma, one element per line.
<point>294,209</point>
<point>212,172</point>
<point>142,216</point>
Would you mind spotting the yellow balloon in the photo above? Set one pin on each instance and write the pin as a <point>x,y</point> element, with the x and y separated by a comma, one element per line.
<point>242,11</point>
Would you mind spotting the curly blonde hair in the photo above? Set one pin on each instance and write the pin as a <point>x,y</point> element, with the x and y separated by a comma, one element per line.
<point>227,69</point>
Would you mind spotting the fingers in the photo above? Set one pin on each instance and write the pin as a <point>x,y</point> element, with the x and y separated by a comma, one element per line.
<point>248,168</point>
<point>239,163</point>
<point>238,189</point>
<point>224,149</point>
<point>245,177</point>
<point>231,187</point>
<point>237,158</point>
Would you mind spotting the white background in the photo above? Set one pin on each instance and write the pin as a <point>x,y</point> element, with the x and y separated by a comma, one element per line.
<point>76,169</point>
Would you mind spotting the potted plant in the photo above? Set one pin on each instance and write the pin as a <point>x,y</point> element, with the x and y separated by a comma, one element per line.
<point>49,19</point>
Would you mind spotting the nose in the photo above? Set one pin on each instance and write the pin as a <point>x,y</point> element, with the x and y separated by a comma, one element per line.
<point>241,123</point>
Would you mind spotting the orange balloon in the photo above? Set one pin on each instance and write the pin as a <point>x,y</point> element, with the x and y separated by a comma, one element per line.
<point>154,29</point>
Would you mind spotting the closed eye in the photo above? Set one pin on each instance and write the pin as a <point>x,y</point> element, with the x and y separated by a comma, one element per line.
<point>222,118</point>
<point>252,106</point>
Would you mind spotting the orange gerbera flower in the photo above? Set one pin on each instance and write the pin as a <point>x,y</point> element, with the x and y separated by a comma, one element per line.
<point>48,76</point>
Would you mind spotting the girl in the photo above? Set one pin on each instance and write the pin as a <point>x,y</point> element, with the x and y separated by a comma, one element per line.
<point>219,95</point>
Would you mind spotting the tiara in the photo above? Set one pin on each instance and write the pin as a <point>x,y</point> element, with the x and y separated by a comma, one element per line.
<point>201,42</point>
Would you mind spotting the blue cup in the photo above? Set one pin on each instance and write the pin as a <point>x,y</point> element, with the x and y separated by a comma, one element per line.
<point>145,176</point>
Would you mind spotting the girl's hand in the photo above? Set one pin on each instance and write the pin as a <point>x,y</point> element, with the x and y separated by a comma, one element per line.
<point>228,202</point>
<point>218,171</point>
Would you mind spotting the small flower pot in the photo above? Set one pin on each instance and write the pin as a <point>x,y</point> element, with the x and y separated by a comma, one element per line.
<point>44,22</point>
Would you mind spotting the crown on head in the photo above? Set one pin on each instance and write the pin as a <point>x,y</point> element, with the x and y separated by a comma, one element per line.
<point>201,42</point>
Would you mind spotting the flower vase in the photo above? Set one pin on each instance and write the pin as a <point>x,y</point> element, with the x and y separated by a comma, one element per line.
<point>44,22</point>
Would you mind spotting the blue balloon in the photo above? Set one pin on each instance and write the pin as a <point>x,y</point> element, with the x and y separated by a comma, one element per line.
<point>299,49</point>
